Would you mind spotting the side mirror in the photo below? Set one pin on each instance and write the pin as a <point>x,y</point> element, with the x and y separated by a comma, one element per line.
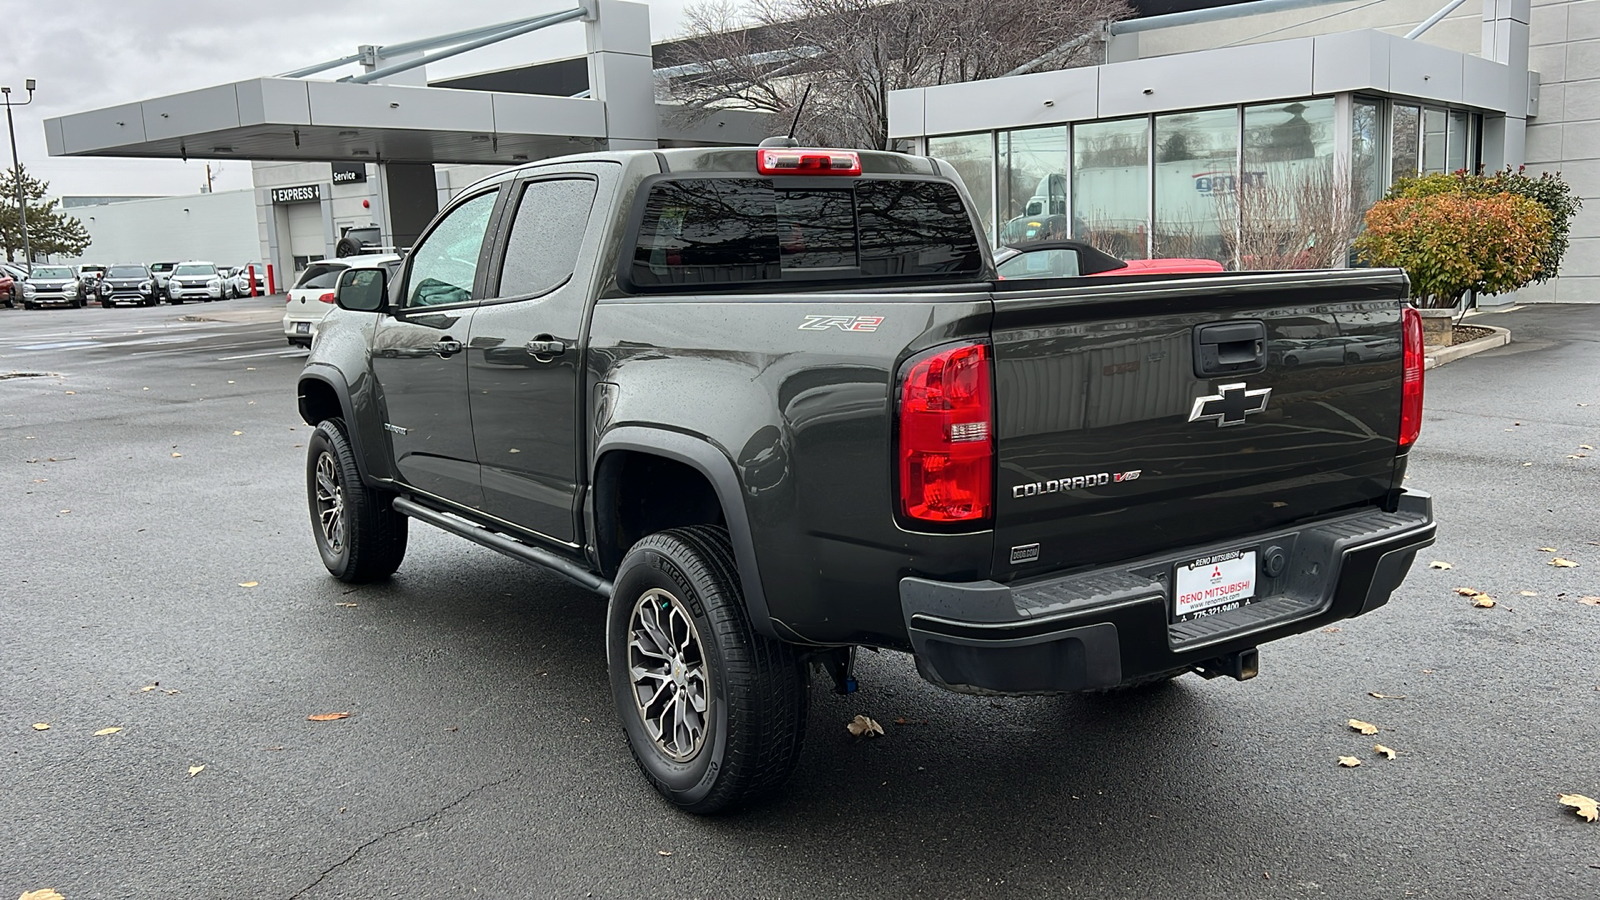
<point>362,290</point>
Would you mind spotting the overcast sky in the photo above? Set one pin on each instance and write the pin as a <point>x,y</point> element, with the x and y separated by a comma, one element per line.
<point>87,54</point>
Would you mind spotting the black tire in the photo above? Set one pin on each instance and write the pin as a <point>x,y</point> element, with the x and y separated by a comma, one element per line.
<point>754,688</point>
<point>1291,360</point>
<point>27,305</point>
<point>175,301</point>
<point>347,247</point>
<point>366,538</point>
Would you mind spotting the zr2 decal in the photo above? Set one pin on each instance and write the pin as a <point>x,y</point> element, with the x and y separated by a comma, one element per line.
<point>843,323</point>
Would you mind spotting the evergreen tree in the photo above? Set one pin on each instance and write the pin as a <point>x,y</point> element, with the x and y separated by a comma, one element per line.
<point>50,231</point>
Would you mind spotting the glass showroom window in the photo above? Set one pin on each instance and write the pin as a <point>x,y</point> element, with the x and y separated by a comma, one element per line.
<point>1433,141</point>
<point>1197,176</point>
<point>973,157</point>
<point>1456,152</point>
<point>1034,166</point>
<point>1366,153</point>
<point>1111,186</point>
<point>1292,212</point>
<point>1405,141</point>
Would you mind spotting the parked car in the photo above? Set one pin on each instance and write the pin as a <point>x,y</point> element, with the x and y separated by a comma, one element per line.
<point>8,288</point>
<point>195,280</point>
<point>127,283</point>
<point>311,298</point>
<point>775,405</point>
<point>89,276</point>
<point>161,271</point>
<point>54,286</point>
<point>241,279</point>
<point>359,241</point>
<point>1072,259</point>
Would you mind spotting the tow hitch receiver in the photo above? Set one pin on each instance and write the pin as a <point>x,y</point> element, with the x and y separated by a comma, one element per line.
<point>1240,665</point>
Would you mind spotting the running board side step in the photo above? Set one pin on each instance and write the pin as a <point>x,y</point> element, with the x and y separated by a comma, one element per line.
<point>511,547</point>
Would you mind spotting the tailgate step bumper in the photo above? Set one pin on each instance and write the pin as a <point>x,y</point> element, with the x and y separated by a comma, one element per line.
<point>1100,628</point>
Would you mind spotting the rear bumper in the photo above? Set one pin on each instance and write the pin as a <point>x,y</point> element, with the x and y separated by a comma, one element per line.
<point>1105,627</point>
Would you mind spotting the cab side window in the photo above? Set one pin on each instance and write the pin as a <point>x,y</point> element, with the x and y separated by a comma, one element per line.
<point>445,264</point>
<point>542,250</point>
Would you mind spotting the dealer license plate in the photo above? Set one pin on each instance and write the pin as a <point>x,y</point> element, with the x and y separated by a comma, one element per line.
<point>1214,584</point>
<point>302,328</point>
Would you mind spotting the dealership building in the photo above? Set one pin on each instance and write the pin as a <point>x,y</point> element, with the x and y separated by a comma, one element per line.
<point>1312,105</point>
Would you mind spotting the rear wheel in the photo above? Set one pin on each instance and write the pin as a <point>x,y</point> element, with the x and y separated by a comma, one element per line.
<point>714,712</point>
<point>359,535</point>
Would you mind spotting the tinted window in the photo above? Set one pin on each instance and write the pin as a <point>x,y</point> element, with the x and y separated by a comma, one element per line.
<point>445,264</point>
<point>161,267</point>
<point>320,275</point>
<point>742,230</point>
<point>127,272</point>
<point>543,248</point>
<point>52,272</point>
<point>195,270</point>
<point>1055,263</point>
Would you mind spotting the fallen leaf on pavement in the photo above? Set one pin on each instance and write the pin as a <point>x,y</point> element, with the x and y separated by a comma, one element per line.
<point>1483,601</point>
<point>1585,807</point>
<point>149,687</point>
<point>1589,601</point>
<point>1577,456</point>
<point>663,852</point>
<point>237,433</point>
<point>1547,549</point>
<point>176,455</point>
<point>1385,751</point>
<point>1386,696</point>
<point>1349,762</point>
<point>1468,592</point>
<point>41,726</point>
<point>1529,593</point>
<point>348,605</point>
<point>248,583</point>
<point>72,392</point>
<point>1585,447</point>
<point>1560,563</point>
<point>1363,727</point>
<point>105,731</point>
<point>861,725</point>
<point>1331,630</point>
<point>196,770</point>
<point>42,894</point>
<point>1527,464</point>
<point>1436,564</point>
<point>328,717</point>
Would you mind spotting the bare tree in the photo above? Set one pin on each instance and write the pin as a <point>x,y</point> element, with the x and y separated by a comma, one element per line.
<point>761,54</point>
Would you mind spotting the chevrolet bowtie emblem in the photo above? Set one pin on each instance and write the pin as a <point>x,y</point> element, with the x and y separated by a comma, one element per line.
<point>1230,405</point>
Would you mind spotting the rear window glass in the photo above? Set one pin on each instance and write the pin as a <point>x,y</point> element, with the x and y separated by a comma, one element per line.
<point>320,276</point>
<point>731,231</point>
<point>127,272</point>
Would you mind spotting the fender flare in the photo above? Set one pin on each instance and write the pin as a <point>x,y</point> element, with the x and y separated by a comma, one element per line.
<point>710,461</point>
<point>334,379</point>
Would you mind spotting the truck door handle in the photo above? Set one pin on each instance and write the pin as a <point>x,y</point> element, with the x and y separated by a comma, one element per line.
<point>1230,348</point>
<point>447,348</point>
<point>545,348</point>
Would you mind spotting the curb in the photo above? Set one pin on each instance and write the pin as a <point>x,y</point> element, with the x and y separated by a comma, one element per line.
<point>1500,338</point>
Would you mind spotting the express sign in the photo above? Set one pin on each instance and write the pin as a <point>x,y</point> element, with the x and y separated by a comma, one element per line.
<point>305,193</point>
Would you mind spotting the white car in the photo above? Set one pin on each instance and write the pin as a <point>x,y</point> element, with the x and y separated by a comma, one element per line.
<point>311,298</point>
<point>195,280</point>
<point>241,280</point>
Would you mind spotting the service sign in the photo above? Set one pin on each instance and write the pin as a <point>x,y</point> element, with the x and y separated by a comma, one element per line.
<point>304,193</point>
<point>349,173</point>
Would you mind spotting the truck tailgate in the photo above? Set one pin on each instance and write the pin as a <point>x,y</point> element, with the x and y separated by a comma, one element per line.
<point>1136,418</point>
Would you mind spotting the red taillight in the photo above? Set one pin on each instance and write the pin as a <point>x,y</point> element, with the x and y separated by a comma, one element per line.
<point>808,162</point>
<point>326,298</point>
<point>1411,381</point>
<point>946,449</point>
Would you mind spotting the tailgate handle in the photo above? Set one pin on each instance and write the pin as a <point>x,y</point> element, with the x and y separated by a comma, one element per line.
<point>1230,348</point>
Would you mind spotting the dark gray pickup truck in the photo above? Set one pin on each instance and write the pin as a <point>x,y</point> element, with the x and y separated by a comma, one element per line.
<point>775,405</point>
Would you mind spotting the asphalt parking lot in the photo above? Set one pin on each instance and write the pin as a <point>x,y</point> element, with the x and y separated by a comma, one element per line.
<point>160,578</point>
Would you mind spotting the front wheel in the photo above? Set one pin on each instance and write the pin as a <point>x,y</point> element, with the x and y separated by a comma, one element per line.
<point>359,535</point>
<point>713,711</point>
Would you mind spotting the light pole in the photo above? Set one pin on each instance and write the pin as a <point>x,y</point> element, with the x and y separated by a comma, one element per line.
<point>16,173</point>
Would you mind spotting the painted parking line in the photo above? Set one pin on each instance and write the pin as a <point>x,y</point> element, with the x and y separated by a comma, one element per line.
<point>59,345</point>
<point>282,351</point>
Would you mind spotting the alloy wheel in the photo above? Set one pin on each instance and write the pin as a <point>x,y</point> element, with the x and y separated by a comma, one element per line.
<point>667,664</point>
<point>330,502</point>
